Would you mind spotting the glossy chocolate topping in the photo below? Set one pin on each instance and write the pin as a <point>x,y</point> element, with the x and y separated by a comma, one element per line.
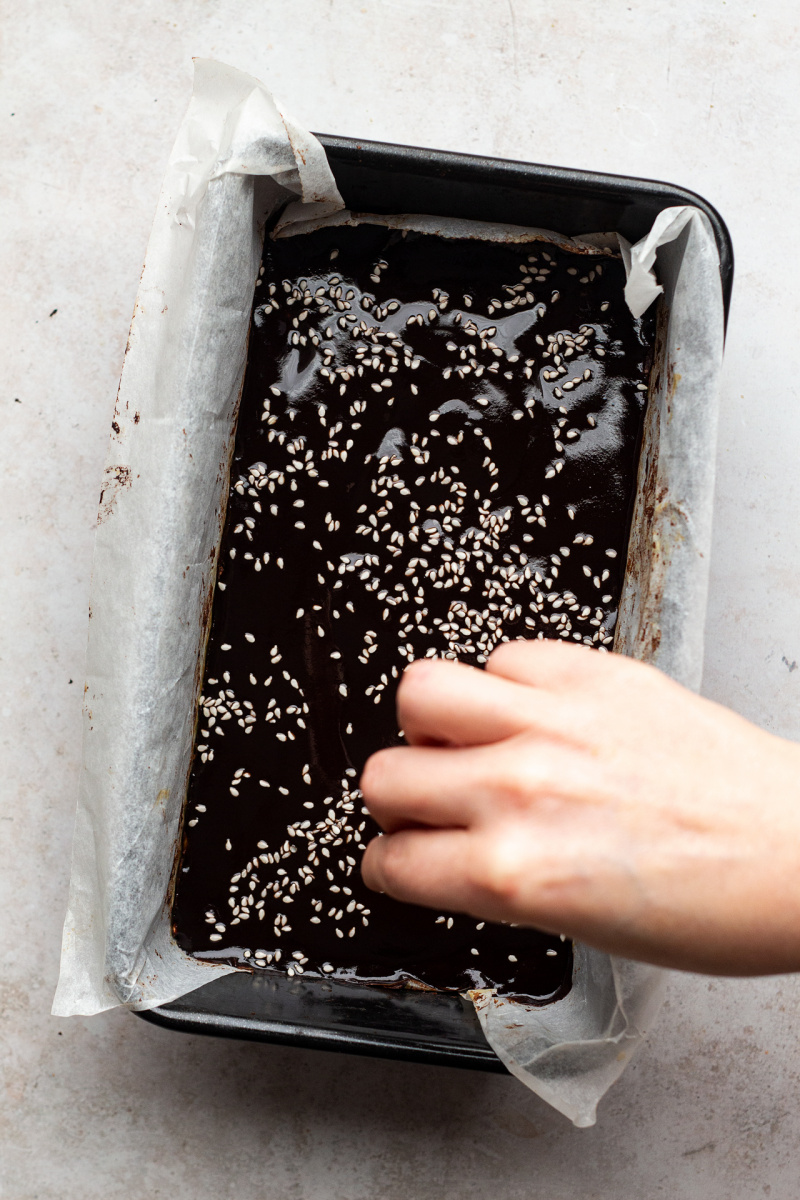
<point>436,451</point>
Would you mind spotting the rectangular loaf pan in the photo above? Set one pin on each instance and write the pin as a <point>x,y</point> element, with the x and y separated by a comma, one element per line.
<point>380,178</point>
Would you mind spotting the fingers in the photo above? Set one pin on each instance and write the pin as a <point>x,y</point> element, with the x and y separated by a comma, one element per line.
<point>553,665</point>
<point>450,703</point>
<point>537,874</point>
<point>509,875</point>
<point>475,786</point>
<point>420,867</point>
<point>422,785</point>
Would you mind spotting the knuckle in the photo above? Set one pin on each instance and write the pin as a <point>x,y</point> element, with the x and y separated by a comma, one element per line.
<point>624,679</point>
<point>574,664</point>
<point>615,664</point>
<point>501,872</point>
<point>517,784</point>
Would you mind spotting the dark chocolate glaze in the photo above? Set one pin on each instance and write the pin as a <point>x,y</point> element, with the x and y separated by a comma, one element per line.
<point>433,455</point>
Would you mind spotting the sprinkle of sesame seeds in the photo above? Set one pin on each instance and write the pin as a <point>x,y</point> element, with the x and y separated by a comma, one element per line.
<point>441,560</point>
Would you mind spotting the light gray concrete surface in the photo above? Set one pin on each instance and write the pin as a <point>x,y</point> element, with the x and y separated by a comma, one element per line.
<point>700,92</point>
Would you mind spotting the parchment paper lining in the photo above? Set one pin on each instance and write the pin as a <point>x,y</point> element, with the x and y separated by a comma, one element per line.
<point>236,161</point>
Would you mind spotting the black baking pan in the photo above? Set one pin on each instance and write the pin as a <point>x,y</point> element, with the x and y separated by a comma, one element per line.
<point>418,1025</point>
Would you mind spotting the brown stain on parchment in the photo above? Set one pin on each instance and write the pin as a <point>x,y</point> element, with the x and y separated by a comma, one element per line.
<point>115,480</point>
<point>296,151</point>
<point>117,477</point>
<point>658,521</point>
<point>204,623</point>
<point>161,803</point>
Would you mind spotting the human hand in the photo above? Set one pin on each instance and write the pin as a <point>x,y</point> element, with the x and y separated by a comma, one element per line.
<point>588,794</point>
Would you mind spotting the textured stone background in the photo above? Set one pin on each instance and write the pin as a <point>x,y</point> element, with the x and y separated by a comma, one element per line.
<point>700,92</point>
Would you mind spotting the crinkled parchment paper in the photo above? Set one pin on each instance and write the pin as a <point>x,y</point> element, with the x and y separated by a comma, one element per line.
<point>239,160</point>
